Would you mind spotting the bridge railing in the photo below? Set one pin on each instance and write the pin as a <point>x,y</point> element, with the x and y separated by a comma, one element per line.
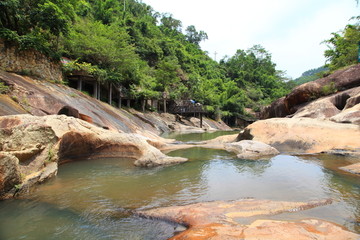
<point>193,108</point>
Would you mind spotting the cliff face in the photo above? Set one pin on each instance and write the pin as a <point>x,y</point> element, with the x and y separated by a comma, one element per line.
<point>41,98</point>
<point>28,62</point>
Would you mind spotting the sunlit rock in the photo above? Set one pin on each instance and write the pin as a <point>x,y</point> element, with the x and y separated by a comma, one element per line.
<point>353,168</point>
<point>303,135</point>
<point>322,98</point>
<point>248,149</point>
<point>33,143</point>
<point>217,220</point>
<point>349,115</point>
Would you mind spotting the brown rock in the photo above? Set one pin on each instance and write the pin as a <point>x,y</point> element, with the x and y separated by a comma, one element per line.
<point>301,230</point>
<point>42,98</point>
<point>69,111</point>
<point>319,109</point>
<point>9,173</point>
<point>28,61</point>
<point>338,82</point>
<point>303,135</point>
<point>349,115</point>
<point>216,220</point>
<point>352,101</point>
<point>353,168</point>
<point>341,80</point>
<point>326,107</point>
<point>9,107</point>
<point>39,141</point>
<point>276,109</point>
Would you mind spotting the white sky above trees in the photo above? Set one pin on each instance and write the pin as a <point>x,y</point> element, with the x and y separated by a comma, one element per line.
<point>291,30</point>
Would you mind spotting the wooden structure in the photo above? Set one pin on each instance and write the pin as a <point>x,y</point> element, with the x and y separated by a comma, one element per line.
<point>115,93</point>
<point>186,107</point>
<point>108,92</point>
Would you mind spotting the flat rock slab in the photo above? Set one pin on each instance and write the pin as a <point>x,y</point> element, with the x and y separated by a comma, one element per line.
<point>216,220</point>
<point>353,168</point>
<point>303,135</point>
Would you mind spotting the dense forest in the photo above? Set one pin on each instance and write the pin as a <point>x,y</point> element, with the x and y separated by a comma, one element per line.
<point>148,53</point>
<point>311,75</point>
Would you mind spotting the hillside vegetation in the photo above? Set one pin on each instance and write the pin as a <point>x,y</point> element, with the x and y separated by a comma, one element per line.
<point>146,52</point>
<point>310,75</point>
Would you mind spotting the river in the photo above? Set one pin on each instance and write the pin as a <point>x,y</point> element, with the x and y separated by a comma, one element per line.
<point>96,199</point>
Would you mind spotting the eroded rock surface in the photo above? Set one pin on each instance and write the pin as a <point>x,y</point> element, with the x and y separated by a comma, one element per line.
<point>248,149</point>
<point>42,98</point>
<point>353,168</point>
<point>349,115</point>
<point>321,99</point>
<point>303,135</point>
<point>217,220</point>
<point>245,149</point>
<point>29,145</point>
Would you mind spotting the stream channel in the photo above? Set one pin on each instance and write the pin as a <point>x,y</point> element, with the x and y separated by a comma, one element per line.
<point>95,199</point>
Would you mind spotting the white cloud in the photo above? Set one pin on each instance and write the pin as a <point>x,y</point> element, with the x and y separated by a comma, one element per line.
<point>289,29</point>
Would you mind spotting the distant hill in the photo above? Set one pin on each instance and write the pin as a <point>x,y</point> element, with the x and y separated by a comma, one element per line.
<point>310,75</point>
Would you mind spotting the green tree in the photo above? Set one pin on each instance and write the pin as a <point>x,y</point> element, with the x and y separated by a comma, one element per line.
<point>194,36</point>
<point>343,47</point>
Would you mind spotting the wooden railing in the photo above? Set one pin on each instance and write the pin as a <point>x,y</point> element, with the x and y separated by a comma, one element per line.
<point>193,108</point>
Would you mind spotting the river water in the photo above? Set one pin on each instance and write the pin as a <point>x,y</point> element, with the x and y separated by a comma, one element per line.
<point>96,199</point>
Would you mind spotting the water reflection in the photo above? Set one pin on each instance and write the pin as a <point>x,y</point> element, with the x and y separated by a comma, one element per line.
<point>197,137</point>
<point>95,199</point>
<point>33,220</point>
<point>256,168</point>
<point>344,187</point>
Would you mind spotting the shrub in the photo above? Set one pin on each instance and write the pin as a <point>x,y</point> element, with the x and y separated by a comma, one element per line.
<point>328,89</point>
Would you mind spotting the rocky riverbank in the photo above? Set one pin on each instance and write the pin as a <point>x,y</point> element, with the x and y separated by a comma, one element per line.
<point>31,148</point>
<point>220,220</point>
<point>35,140</point>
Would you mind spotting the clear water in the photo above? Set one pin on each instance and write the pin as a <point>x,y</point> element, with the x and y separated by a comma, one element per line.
<point>196,137</point>
<point>96,199</point>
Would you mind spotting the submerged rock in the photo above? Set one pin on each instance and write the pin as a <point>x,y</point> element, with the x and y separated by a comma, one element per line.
<point>303,135</point>
<point>29,145</point>
<point>217,220</point>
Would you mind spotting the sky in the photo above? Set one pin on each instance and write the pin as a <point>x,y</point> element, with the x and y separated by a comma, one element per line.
<point>291,30</point>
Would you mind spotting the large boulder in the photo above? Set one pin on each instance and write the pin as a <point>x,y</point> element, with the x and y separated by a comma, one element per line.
<point>353,168</point>
<point>319,109</point>
<point>339,81</point>
<point>10,174</point>
<point>248,149</point>
<point>352,101</point>
<point>29,145</point>
<point>349,115</point>
<point>329,106</point>
<point>303,135</point>
<point>338,85</point>
<point>217,220</point>
<point>276,109</point>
